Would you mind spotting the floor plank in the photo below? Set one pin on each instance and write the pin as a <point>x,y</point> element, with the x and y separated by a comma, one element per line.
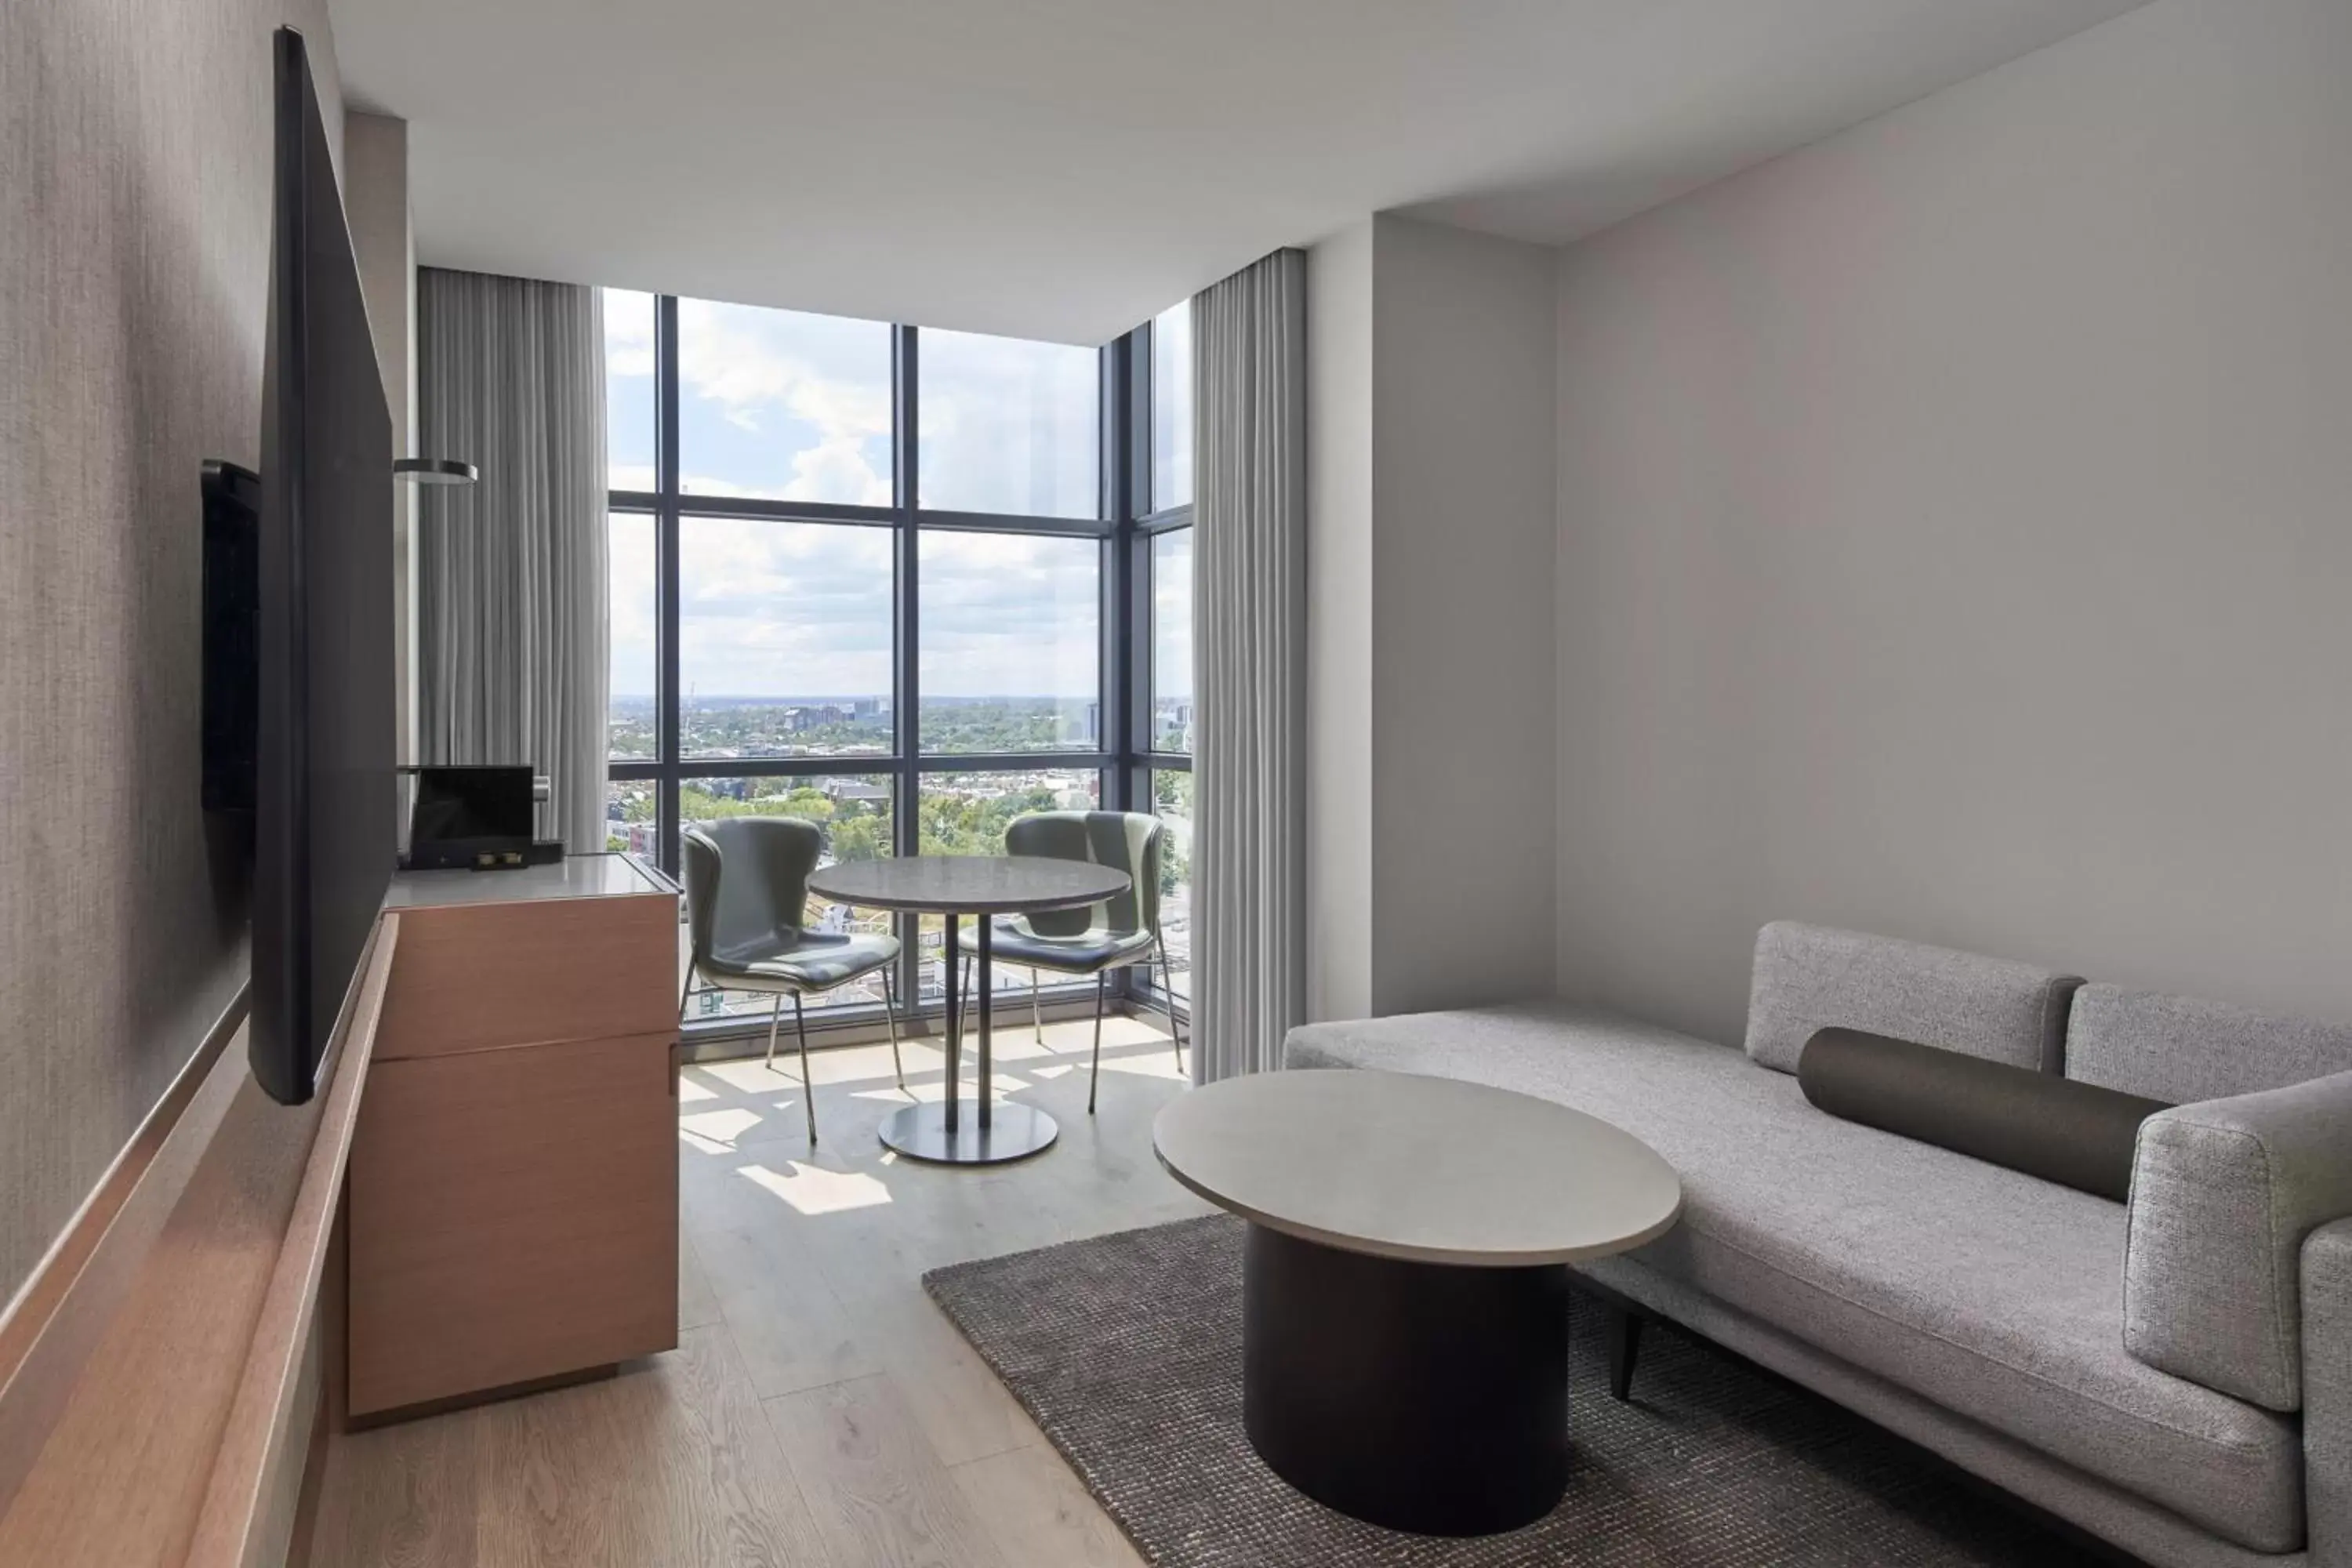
<point>880,1495</point>
<point>671,1463</point>
<point>794,1333</point>
<point>962,1409</point>
<point>808,1347</point>
<point>1040,1514</point>
<point>403,1497</point>
<point>696,1304</point>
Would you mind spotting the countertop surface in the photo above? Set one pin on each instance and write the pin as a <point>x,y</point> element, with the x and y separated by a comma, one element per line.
<point>573,877</point>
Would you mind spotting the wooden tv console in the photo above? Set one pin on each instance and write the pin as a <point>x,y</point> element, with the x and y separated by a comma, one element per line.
<point>481,1198</point>
<point>513,1187</point>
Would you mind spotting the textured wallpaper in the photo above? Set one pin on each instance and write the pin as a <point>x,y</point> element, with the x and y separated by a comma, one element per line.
<point>134,232</point>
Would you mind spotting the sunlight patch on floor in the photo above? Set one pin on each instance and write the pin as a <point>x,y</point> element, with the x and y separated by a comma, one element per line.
<point>813,1190</point>
<point>716,1131</point>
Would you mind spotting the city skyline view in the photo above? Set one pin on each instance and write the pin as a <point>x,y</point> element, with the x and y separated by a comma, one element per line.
<point>792,406</point>
<point>786,626</point>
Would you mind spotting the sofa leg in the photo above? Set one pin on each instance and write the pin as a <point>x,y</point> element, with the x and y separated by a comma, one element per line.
<point>1624,1349</point>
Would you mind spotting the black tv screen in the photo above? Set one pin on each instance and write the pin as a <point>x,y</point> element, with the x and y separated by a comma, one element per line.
<point>325,818</point>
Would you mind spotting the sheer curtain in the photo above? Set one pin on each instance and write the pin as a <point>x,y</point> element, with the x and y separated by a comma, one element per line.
<point>1249,369</point>
<point>511,619</point>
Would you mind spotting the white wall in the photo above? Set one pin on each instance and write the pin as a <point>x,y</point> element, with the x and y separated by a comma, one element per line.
<point>1956,533</point>
<point>1430,562</point>
<point>1463,701</point>
<point>134,272</point>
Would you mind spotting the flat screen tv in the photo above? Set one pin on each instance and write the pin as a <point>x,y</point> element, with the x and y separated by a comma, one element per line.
<point>324,815</point>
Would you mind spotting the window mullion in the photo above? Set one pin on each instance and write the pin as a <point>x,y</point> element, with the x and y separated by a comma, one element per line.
<point>905,645</point>
<point>666,552</point>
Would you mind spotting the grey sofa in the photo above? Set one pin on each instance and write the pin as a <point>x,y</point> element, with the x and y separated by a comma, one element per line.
<point>2173,1375</point>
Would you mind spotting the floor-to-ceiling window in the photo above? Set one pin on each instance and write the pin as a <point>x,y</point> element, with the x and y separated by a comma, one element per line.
<point>1161,549</point>
<point>907,583</point>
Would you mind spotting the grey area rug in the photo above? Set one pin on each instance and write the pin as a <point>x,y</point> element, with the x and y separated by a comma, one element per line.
<point>1126,1350</point>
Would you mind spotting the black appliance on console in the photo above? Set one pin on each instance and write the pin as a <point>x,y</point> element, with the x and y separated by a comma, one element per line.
<point>475,818</point>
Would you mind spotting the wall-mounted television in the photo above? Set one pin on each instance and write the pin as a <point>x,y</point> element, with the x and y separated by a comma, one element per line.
<point>325,814</point>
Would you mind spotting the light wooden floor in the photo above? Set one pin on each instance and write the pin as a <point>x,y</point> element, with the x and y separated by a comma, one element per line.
<point>818,1410</point>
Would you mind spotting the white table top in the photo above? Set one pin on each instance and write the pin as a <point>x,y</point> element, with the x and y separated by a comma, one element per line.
<point>573,877</point>
<point>968,884</point>
<point>1427,1170</point>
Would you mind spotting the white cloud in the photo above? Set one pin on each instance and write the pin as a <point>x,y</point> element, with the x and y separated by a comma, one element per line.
<point>781,404</point>
<point>1171,614</point>
<point>1009,425</point>
<point>836,470</point>
<point>1008,615</point>
<point>628,332</point>
<point>634,626</point>
<point>758,369</point>
<point>1171,405</point>
<point>783,610</point>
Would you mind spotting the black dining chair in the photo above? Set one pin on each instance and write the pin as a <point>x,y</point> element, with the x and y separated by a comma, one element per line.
<point>1114,934</point>
<point>746,915</point>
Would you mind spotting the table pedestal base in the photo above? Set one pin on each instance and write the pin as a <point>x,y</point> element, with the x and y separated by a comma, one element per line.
<point>1015,1131</point>
<point>1412,1395</point>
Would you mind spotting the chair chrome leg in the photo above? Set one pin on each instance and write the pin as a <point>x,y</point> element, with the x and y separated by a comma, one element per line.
<point>808,1087</point>
<point>1036,1014</point>
<point>775,1013</point>
<point>1168,989</point>
<point>1095,1077</point>
<point>890,1011</point>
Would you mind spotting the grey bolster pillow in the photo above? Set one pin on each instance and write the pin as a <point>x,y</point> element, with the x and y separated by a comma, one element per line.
<point>2076,1135</point>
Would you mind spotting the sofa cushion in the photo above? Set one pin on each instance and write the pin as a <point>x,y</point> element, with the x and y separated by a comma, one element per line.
<point>2076,1135</point>
<point>1811,977</point>
<point>2180,1049</point>
<point>1994,1294</point>
<point>2224,1193</point>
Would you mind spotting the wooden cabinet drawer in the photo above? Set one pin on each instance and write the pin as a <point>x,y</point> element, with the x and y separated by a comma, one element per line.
<point>477,975</point>
<point>513,1216</point>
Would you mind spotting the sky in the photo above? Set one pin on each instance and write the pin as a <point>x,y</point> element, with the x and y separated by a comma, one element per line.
<point>797,407</point>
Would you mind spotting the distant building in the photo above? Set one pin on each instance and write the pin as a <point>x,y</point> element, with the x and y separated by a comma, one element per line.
<point>815,716</point>
<point>840,790</point>
<point>1171,729</point>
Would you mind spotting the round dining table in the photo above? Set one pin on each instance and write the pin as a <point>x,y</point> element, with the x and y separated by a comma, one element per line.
<point>983,887</point>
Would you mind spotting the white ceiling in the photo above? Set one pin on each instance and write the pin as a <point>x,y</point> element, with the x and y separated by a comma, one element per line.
<point>1064,168</point>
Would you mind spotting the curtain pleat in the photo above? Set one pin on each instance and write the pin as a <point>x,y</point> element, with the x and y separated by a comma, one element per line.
<point>513,664</point>
<point>1249,367</point>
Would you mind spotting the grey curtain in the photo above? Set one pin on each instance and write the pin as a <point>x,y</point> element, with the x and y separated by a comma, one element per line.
<point>1249,378</point>
<point>512,620</point>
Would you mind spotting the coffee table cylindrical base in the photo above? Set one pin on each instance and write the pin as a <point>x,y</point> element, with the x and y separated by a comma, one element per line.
<point>1417,1396</point>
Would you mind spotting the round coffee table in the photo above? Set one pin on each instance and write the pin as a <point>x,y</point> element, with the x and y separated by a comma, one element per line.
<point>1404,1293</point>
<point>983,886</point>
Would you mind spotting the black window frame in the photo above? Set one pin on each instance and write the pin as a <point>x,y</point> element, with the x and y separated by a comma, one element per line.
<point>1122,761</point>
